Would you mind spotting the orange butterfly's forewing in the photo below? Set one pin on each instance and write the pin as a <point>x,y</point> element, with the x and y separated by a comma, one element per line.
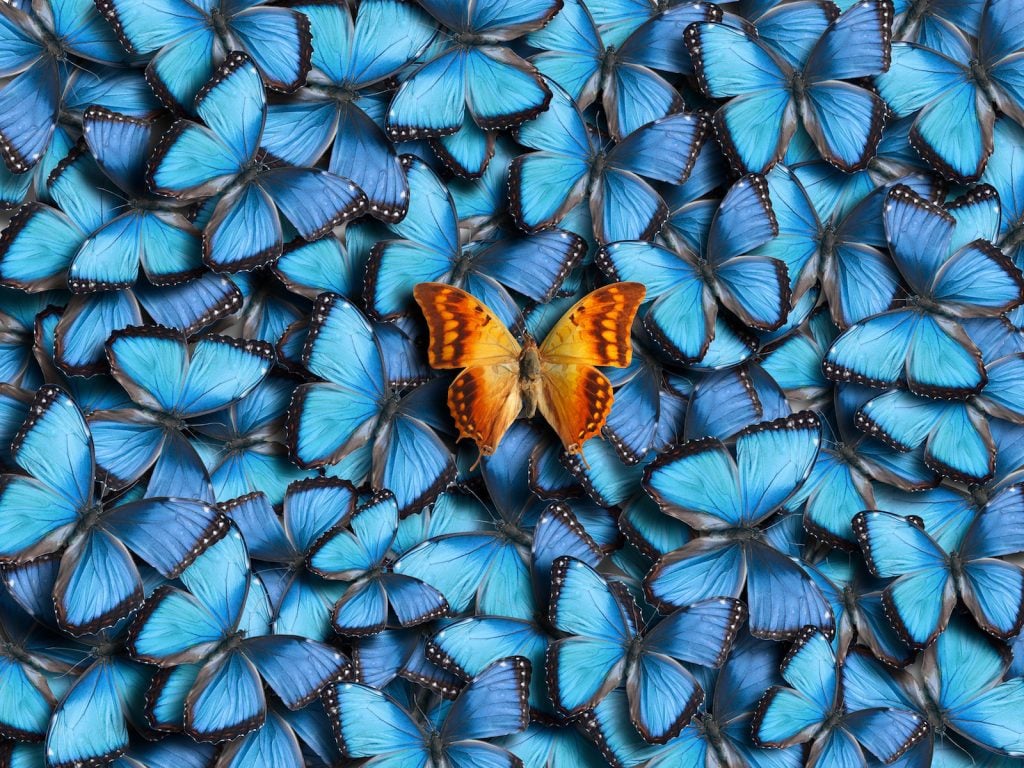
<point>463,332</point>
<point>575,399</point>
<point>484,401</point>
<point>596,330</point>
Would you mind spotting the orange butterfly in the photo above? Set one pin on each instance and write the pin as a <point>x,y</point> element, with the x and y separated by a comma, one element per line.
<point>503,379</point>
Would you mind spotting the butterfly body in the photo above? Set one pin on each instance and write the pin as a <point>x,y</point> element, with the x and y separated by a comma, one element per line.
<point>504,379</point>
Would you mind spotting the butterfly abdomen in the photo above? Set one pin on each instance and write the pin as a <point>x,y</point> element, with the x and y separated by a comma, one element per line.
<point>529,378</point>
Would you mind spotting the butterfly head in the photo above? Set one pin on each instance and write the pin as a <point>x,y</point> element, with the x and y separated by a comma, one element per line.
<point>219,21</point>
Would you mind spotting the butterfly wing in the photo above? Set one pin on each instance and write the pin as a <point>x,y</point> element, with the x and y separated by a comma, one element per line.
<point>595,331</point>
<point>484,399</point>
<point>368,722</point>
<point>88,724</point>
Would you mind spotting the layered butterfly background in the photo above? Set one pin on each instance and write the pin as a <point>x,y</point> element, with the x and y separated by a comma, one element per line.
<point>237,527</point>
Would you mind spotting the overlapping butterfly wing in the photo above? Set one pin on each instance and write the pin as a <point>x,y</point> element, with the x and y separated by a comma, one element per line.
<point>484,399</point>
<point>575,396</point>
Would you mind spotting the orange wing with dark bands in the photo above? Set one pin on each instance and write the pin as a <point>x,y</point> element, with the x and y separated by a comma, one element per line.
<point>463,332</point>
<point>484,401</point>
<point>575,399</point>
<point>596,330</point>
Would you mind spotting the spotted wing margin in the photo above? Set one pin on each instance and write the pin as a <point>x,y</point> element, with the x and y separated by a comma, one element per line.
<point>463,332</point>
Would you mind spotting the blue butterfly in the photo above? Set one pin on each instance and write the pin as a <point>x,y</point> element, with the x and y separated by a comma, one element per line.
<point>163,242</point>
<point>216,638</point>
<point>573,166</point>
<point>953,90</point>
<point>368,722</point>
<point>40,246</point>
<point>243,445</point>
<point>37,42</point>
<point>815,711</point>
<point>430,250</point>
<point>956,435</point>
<point>729,500</point>
<point>357,550</point>
<point>608,646</point>
<point>351,56</point>
<point>686,288</point>
<point>474,81</point>
<point>794,359</point>
<point>102,691</point>
<point>769,95</point>
<point>724,402</point>
<point>856,600</point>
<point>520,538</point>
<point>951,276</point>
<point>187,40</point>
<point>577,58</point>
<point>930,576</point>
<point>194,161</point>
<point>55,508</point>
<point>719,734</point>
<point>356,414</point>
<point>169,380</point>
<point>841,246</point>
<point>15,188</point>
<point>301,600</point>
<point>966,693</point>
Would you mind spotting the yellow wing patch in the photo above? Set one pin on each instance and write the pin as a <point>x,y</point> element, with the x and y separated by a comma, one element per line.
<point>596,330</point>
<point>463,331</point>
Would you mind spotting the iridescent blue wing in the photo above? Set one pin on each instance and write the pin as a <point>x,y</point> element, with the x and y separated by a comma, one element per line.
<point>781,596</point>
<point>787,716</point>
<point>774,458</point>
<point>493,704</point>
<point>533,265</point>
<point>678,481</point>
<point>86,325</point>
<point>179,70</point>
<point>39,509</point>
<point>583,667</point>
<point>953,127</point>
<point>724,402</point>
<point>469,646</point>
<point>755,126</point>
<point>313,201</point>
<point>274,743</point>
<point>296,668</point>
<point>89,722</point>
<point>363,153</point>
<point>571,51</point>
<point>279,42</point>
<point>350,401</point>
<point>368,722</point>
<point>227,699</point>
<point>895,547</point>
<point>30,106</point>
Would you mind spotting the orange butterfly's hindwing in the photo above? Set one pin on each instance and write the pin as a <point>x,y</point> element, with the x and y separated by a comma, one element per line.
<point>596,330</point>
<point>463,332</point>
<point>484,401</point>
<point>576,400</point>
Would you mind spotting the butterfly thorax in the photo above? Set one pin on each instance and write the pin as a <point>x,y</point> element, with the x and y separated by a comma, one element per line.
<point>14,652</point>
<point>743,534</point>
<point>955,565</point>
<point>797,86</point>
<point>89,518</point>
<point>827,241</point>
<point>633,651</point>
<point>436,748</point>
<point>231,642</point>
<point>608,61</point>
<point>513,533</point>
<point>219,22</point>
<point>529,377</point>
<point>979,73</point>
<point>342,94</point>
